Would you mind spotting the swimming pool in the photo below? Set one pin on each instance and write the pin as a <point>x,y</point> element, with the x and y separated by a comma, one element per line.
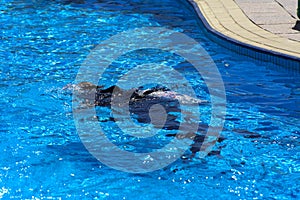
<point>43,44</point>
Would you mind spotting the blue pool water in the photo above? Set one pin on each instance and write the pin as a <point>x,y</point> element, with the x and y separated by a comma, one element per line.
<point>43,44</point>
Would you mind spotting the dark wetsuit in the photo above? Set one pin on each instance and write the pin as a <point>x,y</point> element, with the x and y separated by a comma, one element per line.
<point>141,101</point>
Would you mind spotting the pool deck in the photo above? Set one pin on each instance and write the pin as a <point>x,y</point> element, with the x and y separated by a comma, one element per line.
<point>266,24</point>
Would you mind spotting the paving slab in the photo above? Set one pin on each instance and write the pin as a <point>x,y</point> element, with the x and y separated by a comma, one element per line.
<point>266,24</point>
<point>280,28</point>
<point>276,16</point>
<point>292,36</point>
<point>289,6</point>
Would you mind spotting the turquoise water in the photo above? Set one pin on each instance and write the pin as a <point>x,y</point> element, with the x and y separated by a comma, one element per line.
<point>43,44</point>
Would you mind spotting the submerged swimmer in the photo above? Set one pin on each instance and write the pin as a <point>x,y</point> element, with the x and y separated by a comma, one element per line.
<point>140,102</point>
<point>102,96</point>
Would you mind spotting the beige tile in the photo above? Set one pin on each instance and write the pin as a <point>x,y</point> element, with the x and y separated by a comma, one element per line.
<point>226,17</point>
<point>281,28</point>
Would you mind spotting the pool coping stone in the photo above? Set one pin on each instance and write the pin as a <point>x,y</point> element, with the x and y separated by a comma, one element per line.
<point>234,30</point>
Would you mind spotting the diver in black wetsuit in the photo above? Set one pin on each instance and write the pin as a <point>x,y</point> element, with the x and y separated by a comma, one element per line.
<point>140,102</point>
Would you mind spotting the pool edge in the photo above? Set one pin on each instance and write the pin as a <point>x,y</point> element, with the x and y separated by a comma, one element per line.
<point>243,47</point>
